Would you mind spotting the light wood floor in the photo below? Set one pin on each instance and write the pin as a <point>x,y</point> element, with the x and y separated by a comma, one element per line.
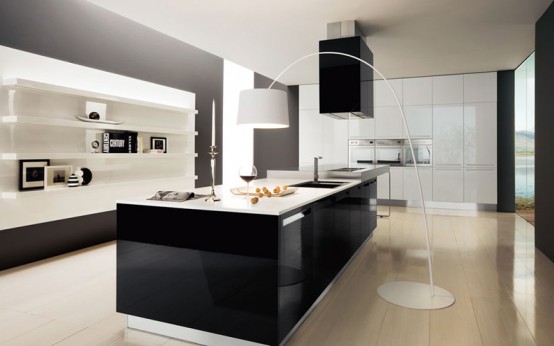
<point>527,214</point>
<point>504,291</point>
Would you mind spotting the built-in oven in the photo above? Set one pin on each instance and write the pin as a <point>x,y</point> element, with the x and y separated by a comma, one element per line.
<point>361,151</point>
<point>423,151</point>
<point>389,151</point>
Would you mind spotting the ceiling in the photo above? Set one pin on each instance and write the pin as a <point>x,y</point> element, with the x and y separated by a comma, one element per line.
<point>408,38</point>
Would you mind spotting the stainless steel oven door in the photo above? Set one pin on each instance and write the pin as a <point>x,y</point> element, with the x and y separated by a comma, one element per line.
<point>361,151</point>
<point>389,152</point>
<point>423,150</point>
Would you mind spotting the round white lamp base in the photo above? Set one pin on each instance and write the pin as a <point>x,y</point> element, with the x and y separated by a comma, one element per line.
<point>415,295</point>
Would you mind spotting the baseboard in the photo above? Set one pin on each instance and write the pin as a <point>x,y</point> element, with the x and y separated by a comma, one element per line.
<point>438,205</point>
<point>32,243</point>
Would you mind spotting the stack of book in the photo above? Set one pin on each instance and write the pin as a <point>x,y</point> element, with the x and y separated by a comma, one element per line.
<point>119,142</point>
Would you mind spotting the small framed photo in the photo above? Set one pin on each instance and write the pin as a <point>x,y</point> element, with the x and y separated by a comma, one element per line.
<point>56,176</point>
<point>158,143</point>
<point>31,174</point>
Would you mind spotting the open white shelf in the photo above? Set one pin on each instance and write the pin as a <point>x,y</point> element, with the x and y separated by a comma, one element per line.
<point>30,120</point>
<point>60,191</point>
<point>39,120</point>
<point>87,156</point>
<point>58,89</point>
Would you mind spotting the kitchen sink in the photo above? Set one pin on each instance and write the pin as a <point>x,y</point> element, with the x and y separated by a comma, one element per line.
<point>320,184</point>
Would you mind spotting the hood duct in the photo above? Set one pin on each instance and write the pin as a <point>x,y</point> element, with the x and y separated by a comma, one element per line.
<point>345,84</point>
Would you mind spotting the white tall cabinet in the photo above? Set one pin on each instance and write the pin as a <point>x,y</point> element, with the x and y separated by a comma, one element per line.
<point>448,138</point>
<point>480,171</point>
<point>417,97</point>
<point>458,112</point>
<point>387,116</point>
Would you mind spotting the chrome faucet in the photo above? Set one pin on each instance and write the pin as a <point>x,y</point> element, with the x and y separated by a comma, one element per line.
<point>316,168</point>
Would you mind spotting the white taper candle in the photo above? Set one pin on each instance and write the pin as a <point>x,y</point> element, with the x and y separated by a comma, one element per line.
<point>213,123</point>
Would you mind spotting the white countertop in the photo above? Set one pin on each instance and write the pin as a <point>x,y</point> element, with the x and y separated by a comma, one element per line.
<point>239,204</point>
<point>266,205</point>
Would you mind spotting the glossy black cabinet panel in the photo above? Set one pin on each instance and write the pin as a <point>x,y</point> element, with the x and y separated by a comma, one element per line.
<point>372,205</point>
<point>365,197</point>
<point>326,262</point>
<point>296,268</point>
<point>203,270</point>
<point>341,234</point>
<point>246,276</point>
<point>355,199</point>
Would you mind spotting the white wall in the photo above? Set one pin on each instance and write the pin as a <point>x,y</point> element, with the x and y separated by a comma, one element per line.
<point>238,141</point>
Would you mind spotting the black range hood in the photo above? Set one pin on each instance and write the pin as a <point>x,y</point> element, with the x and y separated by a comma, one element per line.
<point>345,84</point>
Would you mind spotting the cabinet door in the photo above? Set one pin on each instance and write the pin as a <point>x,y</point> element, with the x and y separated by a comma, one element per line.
<point>296,266</point>
<point>383,96</point>
<point>480,134</point>
<point>448,184</point>
<point>480,185</point>
<point>341,243</point>
<point>325,258</point>
<point>372,206</point>
<point>417,91</point>
<point>448,135</point>
<point>361,128</point>
<point>388,123</point>
<point>365,201</point>
<point>411,187</point>
<point>396,189</point>
<point>448,89</point>
<point>308,96</point>
<point>355,201</point>
<point>335,141</point>
<point>310,137</point>
<point>480,87</point>
<point>420,121</point>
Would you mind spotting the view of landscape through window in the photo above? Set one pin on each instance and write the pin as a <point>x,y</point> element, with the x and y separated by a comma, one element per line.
<point>525,139</point>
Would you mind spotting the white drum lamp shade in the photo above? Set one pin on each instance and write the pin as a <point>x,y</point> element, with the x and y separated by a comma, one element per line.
<point>263,109</point>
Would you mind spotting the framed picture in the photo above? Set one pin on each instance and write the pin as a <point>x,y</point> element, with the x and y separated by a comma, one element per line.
<point>31,174</point>
<point>56,176</point>
<point>158,143</point>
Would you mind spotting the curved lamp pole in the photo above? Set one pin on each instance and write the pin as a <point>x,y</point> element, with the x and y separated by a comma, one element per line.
<point>404,293</point>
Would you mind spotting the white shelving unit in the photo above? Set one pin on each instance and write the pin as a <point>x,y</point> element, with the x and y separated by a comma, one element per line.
<point>30,120</point>
<point>66,191</point>
<point>25,84</point>
<point>38,121</point>
<point>91,156</point>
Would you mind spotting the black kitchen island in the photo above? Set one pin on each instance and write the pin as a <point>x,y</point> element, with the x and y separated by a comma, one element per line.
<point>234,273</point>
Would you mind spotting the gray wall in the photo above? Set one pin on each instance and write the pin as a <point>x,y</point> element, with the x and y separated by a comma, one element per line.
<point>506,180</point>
<point>544,133</point>
<point>277,148</point>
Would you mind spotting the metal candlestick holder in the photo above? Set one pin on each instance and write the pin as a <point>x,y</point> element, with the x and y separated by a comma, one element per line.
<point>212,197</point>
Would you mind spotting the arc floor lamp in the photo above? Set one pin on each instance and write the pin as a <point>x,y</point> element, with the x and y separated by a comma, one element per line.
<point>268,108</point>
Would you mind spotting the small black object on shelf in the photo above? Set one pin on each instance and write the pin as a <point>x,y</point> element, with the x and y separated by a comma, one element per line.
<point>87,176</point>
<point>94,116</point>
